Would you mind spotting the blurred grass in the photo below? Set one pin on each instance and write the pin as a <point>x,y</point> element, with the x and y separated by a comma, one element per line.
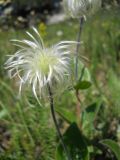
<point>32,134</point>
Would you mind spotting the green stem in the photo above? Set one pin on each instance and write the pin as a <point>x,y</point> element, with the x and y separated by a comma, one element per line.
<point>78,45</point>
<point>56,124</point>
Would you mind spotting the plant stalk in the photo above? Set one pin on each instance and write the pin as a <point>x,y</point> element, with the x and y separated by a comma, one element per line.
<point>78,45</point>
<point>56,124</point>
<point>78,106</point>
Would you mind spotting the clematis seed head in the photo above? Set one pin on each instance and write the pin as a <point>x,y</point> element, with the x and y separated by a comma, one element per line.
<point>36,65</point>
<point>80,8</point>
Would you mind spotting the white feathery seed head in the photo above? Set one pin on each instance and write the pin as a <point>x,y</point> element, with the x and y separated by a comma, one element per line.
<point>79,8</point>
<point>38,66</point>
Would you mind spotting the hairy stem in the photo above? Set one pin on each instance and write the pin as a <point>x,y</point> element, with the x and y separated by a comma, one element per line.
<point>78,106</point>
<point>78,45</point>
<point>56,124</point>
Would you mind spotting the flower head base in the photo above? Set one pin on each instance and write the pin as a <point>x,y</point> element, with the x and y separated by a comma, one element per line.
<point>79,8</point>
<point>37,66</point>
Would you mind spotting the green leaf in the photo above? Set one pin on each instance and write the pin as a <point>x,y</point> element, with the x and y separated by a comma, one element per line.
<point>113,146</point>
<point>88,117</point>
<point>85,74</point>
<point>68,116</point>
<point>84,81</point>
<point>75,143</point>
<point>83,85</point>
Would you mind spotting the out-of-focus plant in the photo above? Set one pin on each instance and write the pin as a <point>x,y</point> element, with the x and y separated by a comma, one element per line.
<point>110,2</point>
<point>42,29</point>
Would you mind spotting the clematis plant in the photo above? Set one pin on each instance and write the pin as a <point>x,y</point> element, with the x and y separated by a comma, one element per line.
<point>80,9</point>
<point>41,69</point>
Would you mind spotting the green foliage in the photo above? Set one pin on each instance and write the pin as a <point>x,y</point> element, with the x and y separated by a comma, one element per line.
<point>84,81</point>
<point>75,143</point>
<point>3,113</point>
<point>113,146</point>
<point>89,116</point>
<point>68,116</point>
<point>114,88</point>
<point>30,121</point>
<point>81,85</point>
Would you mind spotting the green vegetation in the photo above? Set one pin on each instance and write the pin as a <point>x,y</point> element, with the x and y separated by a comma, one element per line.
<point>26,129</point>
